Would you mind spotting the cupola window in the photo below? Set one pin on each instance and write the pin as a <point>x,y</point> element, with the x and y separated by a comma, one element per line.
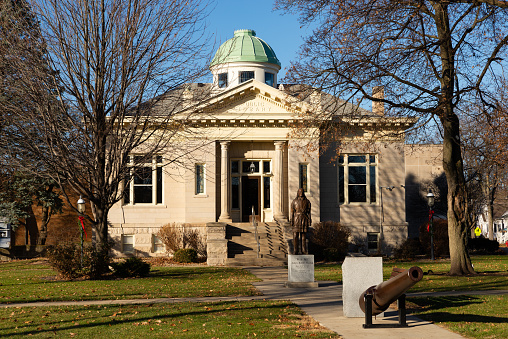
<point>223,80</point>
<point>246,75</point>
<point>269,79</point>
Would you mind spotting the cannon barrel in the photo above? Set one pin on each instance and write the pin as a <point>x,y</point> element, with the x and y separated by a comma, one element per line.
<point>388,291</point>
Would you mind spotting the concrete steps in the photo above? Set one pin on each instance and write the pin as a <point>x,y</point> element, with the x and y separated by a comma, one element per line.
<point>242,245</point>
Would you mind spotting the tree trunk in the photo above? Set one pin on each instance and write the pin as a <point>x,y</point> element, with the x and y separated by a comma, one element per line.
<point>452,153</point>
<point>101,227</point>
<point>43,232</point>
<point>457,198</point>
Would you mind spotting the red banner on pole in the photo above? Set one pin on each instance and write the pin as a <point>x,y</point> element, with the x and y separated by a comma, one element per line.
<point>431,213</point>
<point>82,219</point>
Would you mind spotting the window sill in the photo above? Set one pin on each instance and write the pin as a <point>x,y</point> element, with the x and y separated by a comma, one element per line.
<point>145,206</point>
<point>201,196</point>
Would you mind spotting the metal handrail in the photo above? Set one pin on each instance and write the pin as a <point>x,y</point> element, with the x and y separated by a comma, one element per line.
<point>255,224</point>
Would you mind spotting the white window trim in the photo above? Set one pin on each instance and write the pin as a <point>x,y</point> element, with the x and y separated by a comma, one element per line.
<point>133,243</point>
<point>200,194</point>
<point>131,184</point>
<point>346,167</point>
<point>154,243</point>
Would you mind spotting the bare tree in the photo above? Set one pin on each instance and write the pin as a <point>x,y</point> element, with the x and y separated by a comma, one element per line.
<point>484,145</point>
<point>428,55</point>
<point>120,69</point>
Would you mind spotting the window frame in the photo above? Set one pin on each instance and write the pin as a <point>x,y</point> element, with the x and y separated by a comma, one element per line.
<point>202,181</point>
<point>126,236</point>
<point>223,83</point>
<point>302,178</point>
<point>157,181</point>
<point>372,234</point>
<point>345,162</point>
<point>156,242</point>
<point>241,77</point>
<point>265,173</point>
<point>273,79</point>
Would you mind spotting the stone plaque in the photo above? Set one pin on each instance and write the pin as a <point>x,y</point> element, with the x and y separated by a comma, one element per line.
<point>301,269</point>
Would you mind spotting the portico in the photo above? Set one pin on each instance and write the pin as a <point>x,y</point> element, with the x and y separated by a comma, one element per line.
<point>253,176</point>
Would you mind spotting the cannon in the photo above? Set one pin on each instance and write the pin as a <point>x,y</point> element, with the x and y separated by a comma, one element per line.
<point>376,299</point>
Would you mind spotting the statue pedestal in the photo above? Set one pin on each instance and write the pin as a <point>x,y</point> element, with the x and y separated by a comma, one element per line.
<point>301,271</point>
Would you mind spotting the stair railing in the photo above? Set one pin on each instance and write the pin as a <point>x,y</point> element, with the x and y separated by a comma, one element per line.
<point>255,224</point>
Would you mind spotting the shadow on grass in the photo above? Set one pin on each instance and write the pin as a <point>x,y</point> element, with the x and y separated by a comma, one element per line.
<point>115,315</point>
<point>462,318</point>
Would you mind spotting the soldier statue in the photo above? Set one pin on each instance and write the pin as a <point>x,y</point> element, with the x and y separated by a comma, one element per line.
<point>300,221</point>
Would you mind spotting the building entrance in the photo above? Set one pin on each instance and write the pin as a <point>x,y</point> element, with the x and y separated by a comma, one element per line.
<point>250,197</point>
<point>251,187</point>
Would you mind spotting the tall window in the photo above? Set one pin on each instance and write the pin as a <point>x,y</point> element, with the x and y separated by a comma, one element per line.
<point>146,185</point>
<point>357,178</point>
<point>269,78</point>
<point>304,177</point>
<point>200,179</point>
<point>223,80</point>
<point>246,75</point>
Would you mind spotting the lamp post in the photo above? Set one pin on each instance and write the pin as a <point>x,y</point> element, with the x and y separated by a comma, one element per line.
<point>81,211</point>
<point>430,202</point>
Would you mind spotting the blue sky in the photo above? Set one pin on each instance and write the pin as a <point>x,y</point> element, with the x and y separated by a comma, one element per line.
<point>281,32</point>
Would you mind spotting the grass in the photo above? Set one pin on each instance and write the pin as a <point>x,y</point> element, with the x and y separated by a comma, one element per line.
<point>262,319</point>
<point>30,280</point>
<point>492,274</point>
<point>470,316</point>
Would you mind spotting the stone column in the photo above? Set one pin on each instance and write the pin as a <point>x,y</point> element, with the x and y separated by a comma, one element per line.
<point>216,244</point>
<point>224,180</point>
<point>278,185</point>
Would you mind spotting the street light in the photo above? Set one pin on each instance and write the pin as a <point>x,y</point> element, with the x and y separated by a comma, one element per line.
<point>81,205</point>
<point>430,202</point>
<point>81,210</point>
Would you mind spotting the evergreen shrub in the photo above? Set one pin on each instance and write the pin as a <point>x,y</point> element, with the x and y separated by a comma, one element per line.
<point>482,245</point>
<point>329,240</point>
<point>186,255</point>
<point>131,267</point>
<point>409,249</point>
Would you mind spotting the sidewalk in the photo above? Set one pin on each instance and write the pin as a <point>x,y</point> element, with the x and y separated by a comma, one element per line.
<point>324,304</point>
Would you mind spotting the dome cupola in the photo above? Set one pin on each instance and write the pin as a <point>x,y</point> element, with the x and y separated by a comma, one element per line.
<point>244,57</point>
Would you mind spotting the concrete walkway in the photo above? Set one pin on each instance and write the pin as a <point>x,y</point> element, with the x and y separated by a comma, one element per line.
<point>324,304</point>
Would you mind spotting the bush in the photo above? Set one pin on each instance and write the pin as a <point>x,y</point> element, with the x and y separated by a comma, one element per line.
<point>441,245</point>
<point>331,239</point>
<point>483,245</point>
<point>186,255</point>
<point>132,267</point>
<point>409,249</point>
<point>179,237</point>
<point>193,239</point>
<point>171,237</point>
<point>66,259</point>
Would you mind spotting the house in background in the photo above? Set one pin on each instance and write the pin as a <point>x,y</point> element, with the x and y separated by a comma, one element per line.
<point>249,162</point>
<point>500,227</point>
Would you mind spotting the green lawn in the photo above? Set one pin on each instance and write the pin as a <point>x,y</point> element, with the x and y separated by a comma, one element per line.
<point>261,319</point>
<point>32,280</point>
<point>492,274</point>
<point>471,316</point>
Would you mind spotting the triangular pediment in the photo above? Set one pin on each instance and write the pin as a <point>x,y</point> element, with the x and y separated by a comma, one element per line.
<point>252,100</point>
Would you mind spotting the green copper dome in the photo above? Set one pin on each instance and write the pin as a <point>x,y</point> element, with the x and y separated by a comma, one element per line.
<point>245,46</point>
